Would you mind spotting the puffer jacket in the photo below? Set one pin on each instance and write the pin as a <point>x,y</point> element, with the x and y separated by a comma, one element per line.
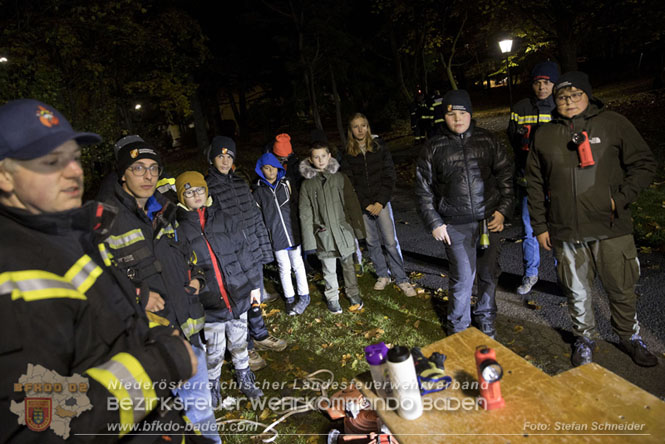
<point>232,193</point>
<point>61,308</point>
<point>462,178</point>
<point>330,213</point>
<point>278,204</point>
<point>572,203</point>
<point>372,175</point>
<point>147,248</point>
<point>226,258</point>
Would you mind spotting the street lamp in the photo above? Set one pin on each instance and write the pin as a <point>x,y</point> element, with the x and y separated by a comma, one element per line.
<point>137,106</point>
<point>3,60</point>
<point>506,45</point>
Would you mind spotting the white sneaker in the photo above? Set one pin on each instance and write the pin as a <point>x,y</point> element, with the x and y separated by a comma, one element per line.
<point>381,283</point>
<point>407,289</point>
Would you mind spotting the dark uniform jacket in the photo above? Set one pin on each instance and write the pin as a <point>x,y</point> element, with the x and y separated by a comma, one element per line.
<point>531,112</point>
<point>147,248</point>
<point>233,194</point>
<point>62,309</point>
<point>461,178</point>
<point>372,175</point>
<point>575,204</point>
<point>225,255</point>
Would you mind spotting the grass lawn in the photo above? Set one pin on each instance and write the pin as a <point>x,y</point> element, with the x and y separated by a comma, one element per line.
<point>321,340</point>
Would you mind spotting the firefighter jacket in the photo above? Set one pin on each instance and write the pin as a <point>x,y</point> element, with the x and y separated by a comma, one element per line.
<point>279,206</point>
<point>63,310</point>
<point>225,255</point>
<point>148,249</point>
<point>372,175</point>
<point>462,178</point>
<point>525,118</point>
<point>330,213</point>
<point>575,204</point>
<point>437,114</point>
<point>232,193</point>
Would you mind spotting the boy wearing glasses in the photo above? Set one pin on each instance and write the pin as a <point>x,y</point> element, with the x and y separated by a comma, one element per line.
<point>525,117</point>
<point>591,164</point>
<point>145,245</point>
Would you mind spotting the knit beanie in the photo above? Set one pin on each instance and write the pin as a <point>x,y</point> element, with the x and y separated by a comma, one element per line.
<point>457,100</point>
<point>221,145</point>
<point>282,146</point>
<point>129,149</point>
<point>577,79</point>
<point>545,70</point>
<point>188,180</point>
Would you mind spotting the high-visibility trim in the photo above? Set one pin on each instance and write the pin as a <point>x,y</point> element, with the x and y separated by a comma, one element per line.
<point>37,285</point>
<point>156,320</point>
<point>126,239</point>
<point>192,326</point>
<point>166,230</point>
<point>189,421</point>
<point>126,379</point>
<point>83,273</point>
<point>106,256</point>
<point>439,121</point>
<point>166,184</point>
<point>531,118</point>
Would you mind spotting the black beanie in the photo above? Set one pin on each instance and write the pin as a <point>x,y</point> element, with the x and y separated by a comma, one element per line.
<point>129,149</point>
<point>221,145</point>
<point>577,79</point>
<point>457,100</point>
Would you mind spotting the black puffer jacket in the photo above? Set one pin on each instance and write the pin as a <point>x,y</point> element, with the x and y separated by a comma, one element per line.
<point>226,258</point>
<point>372,175</point>
<point>462,178</point>
<point>233,194</point>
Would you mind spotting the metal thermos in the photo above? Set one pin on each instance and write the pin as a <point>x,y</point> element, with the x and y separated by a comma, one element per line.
<point>404,382</point>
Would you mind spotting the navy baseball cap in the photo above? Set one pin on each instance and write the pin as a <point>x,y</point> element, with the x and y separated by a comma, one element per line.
<point>30,129</point>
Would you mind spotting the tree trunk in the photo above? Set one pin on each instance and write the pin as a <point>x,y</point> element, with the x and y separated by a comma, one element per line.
<point>567,43</point>
<point>338,107</point>
<point>200,127</point>
<point>398,66</point>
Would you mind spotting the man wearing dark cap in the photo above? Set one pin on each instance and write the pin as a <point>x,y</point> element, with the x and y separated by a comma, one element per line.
<point>584,170</point>
<point>464,184</point>
<point>61,308</point>
<point>232,193</point>
<point>526,116</point>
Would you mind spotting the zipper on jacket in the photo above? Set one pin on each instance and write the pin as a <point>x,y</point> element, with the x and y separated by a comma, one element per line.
<point>281,218</point>
<point>468,176</point>
<point>366,172</point>
<point>215,262</point>
<point>575,168</point>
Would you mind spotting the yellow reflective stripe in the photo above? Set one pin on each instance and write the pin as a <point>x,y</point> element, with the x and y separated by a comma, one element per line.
<point>115,387</point>
<point>192,326</point>
<point>106,257</point>
<point>37,285</point>
<point>166,181</point>
<point>83,273</point>
<point>156,320</point>
<point>531,118</point>
<point>166,230</point>
<point>126,239</point>
<point>142,378</point>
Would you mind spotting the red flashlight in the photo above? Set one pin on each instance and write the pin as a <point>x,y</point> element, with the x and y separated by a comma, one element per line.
<point>489,374</point>
<point>581,139</point>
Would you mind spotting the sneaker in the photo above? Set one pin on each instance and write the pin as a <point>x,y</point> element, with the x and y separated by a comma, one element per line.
<point>582,351</point>
<point>256,362</point>
<point>527,284</point>
<point>488,329</point>
<point>247,382</point>
<point>381,283</point>
<point>637,350</point>
<point>334,307</point>
<point>270,343</point>
<point>289,305</point>
<point>269,297</point>
<point>301,305</point>
<point>215,393</point>
<point>355,308</point>
<point>407,289</point>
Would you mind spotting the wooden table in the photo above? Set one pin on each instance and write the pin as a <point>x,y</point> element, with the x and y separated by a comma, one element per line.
<point>587,404</point>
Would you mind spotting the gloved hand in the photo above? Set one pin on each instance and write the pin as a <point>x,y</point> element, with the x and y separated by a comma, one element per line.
<point>431,375</point>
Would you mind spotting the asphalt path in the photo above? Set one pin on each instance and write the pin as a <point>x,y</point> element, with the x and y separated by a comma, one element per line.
<point>538,326</point>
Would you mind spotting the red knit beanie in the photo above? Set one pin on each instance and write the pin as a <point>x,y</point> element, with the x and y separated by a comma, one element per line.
<point>282,145</point>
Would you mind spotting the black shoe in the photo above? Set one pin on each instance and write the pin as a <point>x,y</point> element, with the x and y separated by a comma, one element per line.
<point>582,351</point>
<point>637,350</point>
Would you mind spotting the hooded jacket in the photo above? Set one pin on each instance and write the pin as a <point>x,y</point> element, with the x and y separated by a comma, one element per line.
<point>330,213</point>
<point>462,178</point>
<point>575,204</point>
<point>225,256</point>
<point>372,175</point>
<point>232,193</point>
<point>278,204</point>
<point>61,308</point>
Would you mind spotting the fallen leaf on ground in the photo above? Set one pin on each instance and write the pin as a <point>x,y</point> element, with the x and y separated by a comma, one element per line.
<point>272,312</point>
<point>264,414</point>
<point>374,333</point>
<point>416,324</point>
<point>518,328</point>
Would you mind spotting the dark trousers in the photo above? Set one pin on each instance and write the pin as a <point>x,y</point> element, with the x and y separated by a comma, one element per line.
<point>255,324</point>
<point>465,261</point>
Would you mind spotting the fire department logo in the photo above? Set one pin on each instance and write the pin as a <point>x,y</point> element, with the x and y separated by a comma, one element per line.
<point>134,153</point>
<point>38,413</point>
<point>225,150</point>
<point>46,117</point>
<point>450,108</point>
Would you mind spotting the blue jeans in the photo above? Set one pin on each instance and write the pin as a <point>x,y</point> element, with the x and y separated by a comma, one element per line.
<point>465,261</point>
<point>381,232</point>
<point>530,247</point>
<point>195,395</point>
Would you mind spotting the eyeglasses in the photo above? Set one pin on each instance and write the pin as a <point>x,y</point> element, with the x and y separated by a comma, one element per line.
<point>192,191</point>
<point>140,170</point>
<point>573,97</point>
